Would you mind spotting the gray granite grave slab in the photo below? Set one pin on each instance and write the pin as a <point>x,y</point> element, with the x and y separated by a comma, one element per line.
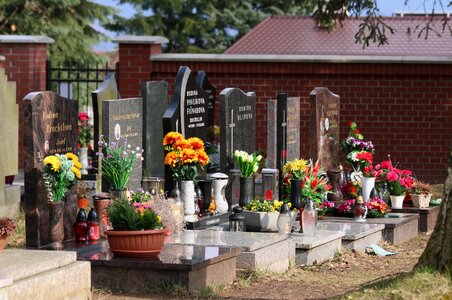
<point>259,251</point>
<point>40,275</point>
<point>123,118</point>
<point>357,236</point>
<point>399,227</point>
<point>323,246</point>
<point>427,217</point>
<point>155,102</point>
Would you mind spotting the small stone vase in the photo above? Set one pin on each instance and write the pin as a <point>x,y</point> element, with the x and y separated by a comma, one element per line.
<point>335,177</point>
<point>246,190</point>
<point>295,194</point>
<point>56,225</point>
<point>187,195</point>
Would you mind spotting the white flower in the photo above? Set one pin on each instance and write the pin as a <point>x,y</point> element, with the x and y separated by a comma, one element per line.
<point>128,146</point>
<point>259,158</point>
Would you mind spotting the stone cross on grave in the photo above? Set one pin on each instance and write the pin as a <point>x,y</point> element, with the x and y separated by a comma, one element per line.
<point>232,125</point>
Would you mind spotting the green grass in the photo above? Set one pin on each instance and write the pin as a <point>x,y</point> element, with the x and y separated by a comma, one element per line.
<point>422,284</point>
<point>17,239</point>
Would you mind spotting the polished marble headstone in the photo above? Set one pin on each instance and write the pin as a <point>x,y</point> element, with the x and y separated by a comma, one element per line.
<point>108,90</point>
<point>155,102</point>
<point>123,118</point>
<point>325,142</point>
<point>50,127</point>
<point>211,91</point>
<point>283,130</point>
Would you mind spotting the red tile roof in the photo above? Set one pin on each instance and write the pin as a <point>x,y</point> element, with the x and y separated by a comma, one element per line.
<point>300,36</point>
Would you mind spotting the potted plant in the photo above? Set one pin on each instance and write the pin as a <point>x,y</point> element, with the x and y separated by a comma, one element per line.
<point>370,173</point>
<point>137,230</point>
<point>7,227</point>
<point>262,215</point>
<point>84,139</point>
<point>60,172</point>
<point>118,160</point>
<point>421,193</point>
<point>398,182</point>
<point>184,157</point>
<point>248,164</point>
<point>376,208</point>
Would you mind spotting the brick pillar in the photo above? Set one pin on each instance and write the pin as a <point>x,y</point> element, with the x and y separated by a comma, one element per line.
<point>25,63</point>
<point>134,63</point>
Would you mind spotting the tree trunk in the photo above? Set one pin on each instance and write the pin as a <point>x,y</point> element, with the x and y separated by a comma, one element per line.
<point>438,253</point>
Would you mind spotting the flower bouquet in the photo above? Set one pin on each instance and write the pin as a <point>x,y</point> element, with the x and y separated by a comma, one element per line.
<point>184,155</point>
<point>60,172</point>
<point>398,182</point>
<point>248,164</point>
<point>358,152</point>
<point>376,208</point>
<point>315,183</point>
<point>262,215</point>
<point>293,174</point>
<point>264,206</point>
<point>325,207</point>
<point>84,130</point>
<point>117,162</point>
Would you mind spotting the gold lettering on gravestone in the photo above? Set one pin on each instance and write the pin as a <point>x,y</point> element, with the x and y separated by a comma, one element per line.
<point>49,115</point>
<point>129,129</point>
<point>59,127</point>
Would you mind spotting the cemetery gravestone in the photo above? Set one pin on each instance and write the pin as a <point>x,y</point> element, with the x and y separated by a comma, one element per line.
<point>155,102</point>
<point>108,90</point>
<point>50,127</point>
<point>325,143</point>
<point>212,139</point>
<point>237,128</point>
<point>9,131</point>
<point>123,118</point>
<point>186,113</point>
<point>283,131</point>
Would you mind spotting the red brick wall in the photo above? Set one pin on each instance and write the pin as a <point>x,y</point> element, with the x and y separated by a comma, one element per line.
<point>405,109</point>
<point>135,67</point>
<point>26,65</point>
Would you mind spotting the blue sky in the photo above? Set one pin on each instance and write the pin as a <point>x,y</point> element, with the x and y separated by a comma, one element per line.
<point>387,8</point>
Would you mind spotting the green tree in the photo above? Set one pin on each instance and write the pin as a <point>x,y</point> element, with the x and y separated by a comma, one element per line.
<point>68,22</point>
<point>202,25</point>
<point>438,253</point>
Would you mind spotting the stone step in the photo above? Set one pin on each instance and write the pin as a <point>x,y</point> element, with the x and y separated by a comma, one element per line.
<point>357,236</point>
<point>427,217</point>
<point>38,274</point>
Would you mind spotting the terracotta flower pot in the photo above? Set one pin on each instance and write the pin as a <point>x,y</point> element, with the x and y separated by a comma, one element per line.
<point>140,243</point>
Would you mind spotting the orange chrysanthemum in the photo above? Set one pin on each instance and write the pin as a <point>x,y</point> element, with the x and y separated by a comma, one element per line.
<point>171,138</point>
<point>181,145</point>
<point>188,156</point>
<point>196,143</point>
<point>203,158</point>
<point>171,159</point>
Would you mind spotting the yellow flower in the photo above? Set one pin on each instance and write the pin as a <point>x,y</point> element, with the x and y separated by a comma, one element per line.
<point>76,172</point>
<point>299,165</point>
<point>71,156</point>
<point>159,219</point>
<point>182,144</point>
<point>188,156</point>
<point>171,159</point>
<point>53,162</point>
<point>77,164</point>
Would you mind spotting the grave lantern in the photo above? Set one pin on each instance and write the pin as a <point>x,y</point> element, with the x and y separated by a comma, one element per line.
<point>284,220</point>
<point>270,182</point>
<point>237,221</point>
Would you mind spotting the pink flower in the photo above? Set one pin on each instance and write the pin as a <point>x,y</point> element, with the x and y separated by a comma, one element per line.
<point>83,116</point>
<point>386,165</point>
<point>377,167</point>
<point>392,176</point>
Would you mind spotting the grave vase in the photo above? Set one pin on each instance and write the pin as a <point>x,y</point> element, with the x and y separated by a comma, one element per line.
<point>101,202</point>
<point>335,179</point>
<point>83,158</point>
<point>56,225</point>
<point>246,190</point>
<point>368,183</point>
<point>116,194</point>
<point>397,201</point>
<point>187,195</point>
<point>295,193</point>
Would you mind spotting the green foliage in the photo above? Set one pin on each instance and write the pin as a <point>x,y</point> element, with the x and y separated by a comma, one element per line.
<point>124,216</point>
<point>202,25</point>
<point>68,22</point>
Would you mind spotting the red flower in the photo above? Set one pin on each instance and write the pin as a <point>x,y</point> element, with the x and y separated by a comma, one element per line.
<point>83,116</point>
<point>357,131</point>
<point>386,165</point>
<point>349,124</point>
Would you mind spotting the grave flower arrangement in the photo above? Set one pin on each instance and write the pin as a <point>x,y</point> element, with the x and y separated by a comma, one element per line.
<point>184,155</point>
<point>117,160</point>
<point>398,181</point>
<point>60,172</point>
<point>376,208</point>
<point>84,130</point>
<point>325,207</point>
<point>421,193</point>
<point>358,152</point>
<point>248,164</point>
<point>295,169</point>
<point>264,206</point>
<point>315,183</point>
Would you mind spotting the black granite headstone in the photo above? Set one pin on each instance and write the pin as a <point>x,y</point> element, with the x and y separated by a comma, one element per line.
<point>108,90</point>
<point>123,118</point>
<point>237,129</point>
<point>50,127</point>
<point>211,92</point>
<point>155,102</point>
